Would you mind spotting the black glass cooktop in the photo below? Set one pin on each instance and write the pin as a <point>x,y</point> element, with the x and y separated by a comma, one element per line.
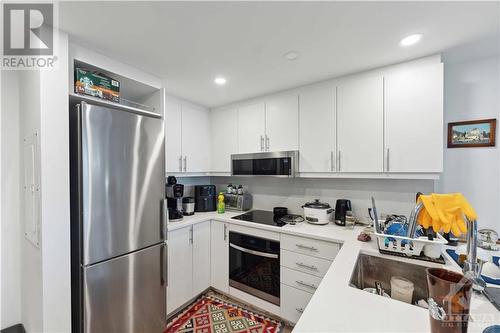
<point>260,216</point>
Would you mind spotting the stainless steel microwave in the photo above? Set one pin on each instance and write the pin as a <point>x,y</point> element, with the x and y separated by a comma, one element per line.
<point>276,164</point>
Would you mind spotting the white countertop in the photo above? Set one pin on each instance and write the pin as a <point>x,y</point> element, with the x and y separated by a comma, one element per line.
<point>337,307</point>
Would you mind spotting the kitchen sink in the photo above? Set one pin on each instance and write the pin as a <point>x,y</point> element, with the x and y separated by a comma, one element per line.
<point>370,269</point>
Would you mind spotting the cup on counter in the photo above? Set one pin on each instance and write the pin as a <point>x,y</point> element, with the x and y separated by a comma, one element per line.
<point>449,300</point>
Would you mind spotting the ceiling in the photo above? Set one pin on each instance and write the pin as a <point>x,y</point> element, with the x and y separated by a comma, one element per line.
<point>188,44</point>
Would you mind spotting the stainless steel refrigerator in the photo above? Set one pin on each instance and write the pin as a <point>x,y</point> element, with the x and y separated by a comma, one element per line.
<point>118,220</point>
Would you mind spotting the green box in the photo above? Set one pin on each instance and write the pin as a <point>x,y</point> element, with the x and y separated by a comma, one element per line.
<point>95,84</point>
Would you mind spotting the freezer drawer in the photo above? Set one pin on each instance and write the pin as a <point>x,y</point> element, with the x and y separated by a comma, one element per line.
<point>126,294</point>
<point>122,181</point>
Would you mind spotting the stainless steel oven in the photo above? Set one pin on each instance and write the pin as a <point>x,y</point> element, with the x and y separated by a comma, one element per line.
<point>275,164</point>
<point>254,266</point>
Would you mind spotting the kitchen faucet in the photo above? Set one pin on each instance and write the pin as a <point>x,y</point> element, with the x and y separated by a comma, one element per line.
<point>472,267</point>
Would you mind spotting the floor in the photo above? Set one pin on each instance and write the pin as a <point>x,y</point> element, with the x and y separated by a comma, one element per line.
<point>287,328</point>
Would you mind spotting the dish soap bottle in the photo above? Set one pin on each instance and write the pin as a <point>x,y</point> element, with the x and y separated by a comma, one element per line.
<point>221,206</point>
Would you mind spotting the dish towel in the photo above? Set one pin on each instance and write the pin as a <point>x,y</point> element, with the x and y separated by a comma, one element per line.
<point>446,212</point>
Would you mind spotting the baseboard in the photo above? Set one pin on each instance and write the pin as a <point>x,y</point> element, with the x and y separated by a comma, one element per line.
<point>18,328</point>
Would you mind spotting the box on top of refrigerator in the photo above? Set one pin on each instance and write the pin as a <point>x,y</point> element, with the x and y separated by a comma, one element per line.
<point>97,85</point>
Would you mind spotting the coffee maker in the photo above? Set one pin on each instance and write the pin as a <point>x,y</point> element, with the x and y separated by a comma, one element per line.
<point>342,206</point>
<point>175,192</point>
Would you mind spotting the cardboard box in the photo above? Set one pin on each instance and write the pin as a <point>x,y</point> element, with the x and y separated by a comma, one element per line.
<point>97,85</point>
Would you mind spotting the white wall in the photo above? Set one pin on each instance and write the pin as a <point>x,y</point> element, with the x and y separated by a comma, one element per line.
<point>31,260</point>
<point>472,91</point>
<point>392,196</point>
<point>10,228</point>
<point>55,201</point>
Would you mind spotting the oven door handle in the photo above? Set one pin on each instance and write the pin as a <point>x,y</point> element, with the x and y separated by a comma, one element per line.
<point>257,253</point>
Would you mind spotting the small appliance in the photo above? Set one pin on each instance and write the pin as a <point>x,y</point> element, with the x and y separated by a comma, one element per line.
<point>188,206</point>
<point>205,198</point>
<point>238,202</point>
<point>342,206</point>
<point>276,164</point>
<point>317,212</point>
<point>175,192</point>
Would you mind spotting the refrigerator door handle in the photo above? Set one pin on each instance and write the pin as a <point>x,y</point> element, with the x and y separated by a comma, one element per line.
<point>164,219</point>
<point>164,265</point>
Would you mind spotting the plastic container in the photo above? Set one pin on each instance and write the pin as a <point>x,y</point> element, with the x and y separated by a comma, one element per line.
<point>221,205</point>
<point>402,289</point>
<point>433,250</point>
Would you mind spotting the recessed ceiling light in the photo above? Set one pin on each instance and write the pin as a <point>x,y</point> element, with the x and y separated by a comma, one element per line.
<point>220,80</point>
<point>410,40</point>
<point>291,55</point>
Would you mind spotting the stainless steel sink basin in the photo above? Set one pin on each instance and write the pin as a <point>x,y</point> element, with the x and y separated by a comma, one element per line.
<point>370,269</point>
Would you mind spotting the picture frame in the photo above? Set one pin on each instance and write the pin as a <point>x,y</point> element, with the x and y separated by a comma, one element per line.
<point>472,133</point>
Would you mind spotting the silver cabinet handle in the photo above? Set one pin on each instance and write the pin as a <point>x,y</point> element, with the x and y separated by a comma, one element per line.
<point>340,159</point>
<point>225,232</point>
<point>387,159</point>
<point>256,253</point>
<point>191,235</point>
<point>267,143</point>
<point>180,163</point>
<point>311,267</point>
<point>302,246</point>
<point>310,285</point>
<point>185,163</point>
<point>261,143</point>
<point>331,161</point>
<point>299,310</point>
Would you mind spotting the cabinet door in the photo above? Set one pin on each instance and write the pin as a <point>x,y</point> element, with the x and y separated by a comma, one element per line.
<point>282,123</point>
<point>224,138</point>
<point>251,128</point>
<point>195,139</point>
<point>414,120</point>
<point>173,144</point>
<point>220,256</point>
<point>180,268</point>
<point>360,125</point>
<point>201,257</point>
<point>317,129</point>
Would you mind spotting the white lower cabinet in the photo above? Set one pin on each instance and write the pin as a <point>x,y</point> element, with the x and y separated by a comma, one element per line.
<point>304,262</point>
<point>293,302</point>
<point>219,256</point>
<point>188,264</point>
<point>201,257</point>
<point>180,268</point>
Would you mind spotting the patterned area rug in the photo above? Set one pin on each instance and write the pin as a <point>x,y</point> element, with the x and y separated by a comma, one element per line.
<point>209,314</point>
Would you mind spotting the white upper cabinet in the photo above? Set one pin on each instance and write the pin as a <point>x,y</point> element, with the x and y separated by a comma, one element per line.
<point>414,119</point>
<point>224,138</point>
<point>251,128</point>
<point>195,139</point>
<point>173,134</point>
<point>317,129</point>
<point>360,124</point>
<point>282,123</point>
<point>187,132</point>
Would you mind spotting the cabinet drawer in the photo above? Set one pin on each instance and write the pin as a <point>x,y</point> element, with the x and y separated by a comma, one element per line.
<point>293,302</point>
<point>306,282</point>
<point>303,263</point>
<point>312,247</point>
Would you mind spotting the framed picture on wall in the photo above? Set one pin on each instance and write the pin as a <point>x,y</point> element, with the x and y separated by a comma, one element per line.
<point>472,133</point>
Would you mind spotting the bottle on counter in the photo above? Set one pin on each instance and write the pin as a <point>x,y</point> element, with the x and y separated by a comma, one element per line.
<point>221,206</point>
<point>229,188</point>
<point>240,189</point>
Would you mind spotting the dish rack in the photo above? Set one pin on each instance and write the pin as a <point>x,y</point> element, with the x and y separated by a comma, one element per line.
<point>410,246</point>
